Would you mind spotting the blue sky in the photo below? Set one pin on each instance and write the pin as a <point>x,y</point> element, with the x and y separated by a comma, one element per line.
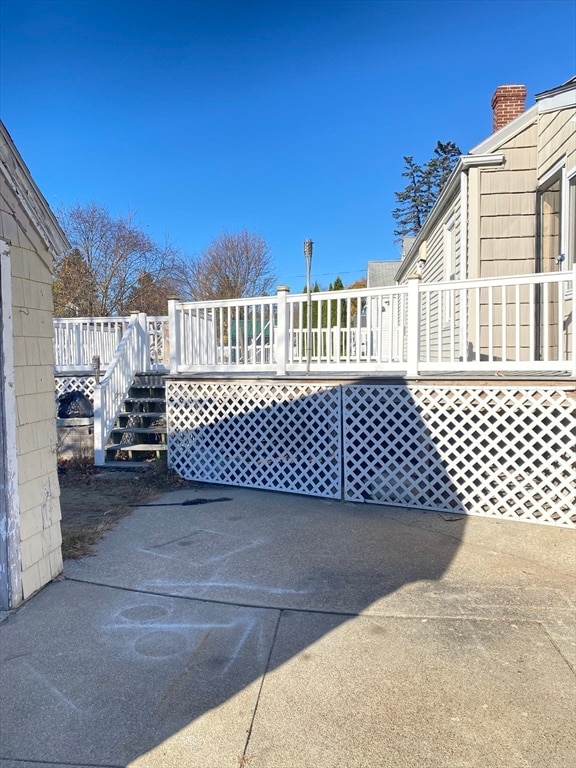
<point>290,119</point>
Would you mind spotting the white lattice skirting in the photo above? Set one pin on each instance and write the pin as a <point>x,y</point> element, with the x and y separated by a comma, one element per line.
<point>76,383</point>
<point>282,437</point>
<point>493,451</point>
<point>504,452</point>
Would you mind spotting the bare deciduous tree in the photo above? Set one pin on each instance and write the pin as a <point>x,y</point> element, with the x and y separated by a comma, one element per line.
<point>233,266</point>
<point>111,254</point>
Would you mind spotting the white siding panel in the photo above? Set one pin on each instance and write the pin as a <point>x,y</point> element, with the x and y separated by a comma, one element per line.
<point>501,181</point>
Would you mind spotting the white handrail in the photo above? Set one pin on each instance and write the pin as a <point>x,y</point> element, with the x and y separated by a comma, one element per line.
<point>234,335</point>
<point>514,323</point>
<point>110,393</point>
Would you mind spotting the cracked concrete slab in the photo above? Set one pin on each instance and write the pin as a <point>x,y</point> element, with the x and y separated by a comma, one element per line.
<point>416,692</point>
<point>101,676</point>
<point>278,631</point>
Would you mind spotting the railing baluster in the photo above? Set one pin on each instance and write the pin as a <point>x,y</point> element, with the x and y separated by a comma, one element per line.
<point>560,324</point>
<point>545,326</point>
<point>517,312</point>
<point>503,324</point>
<point>477,335</point>
<point>464,324</point>
<point>452,330</point>
<point>490,323</point>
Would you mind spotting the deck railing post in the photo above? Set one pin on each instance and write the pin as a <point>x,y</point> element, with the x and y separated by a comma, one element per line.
<point>144,341</point>
<point>99,452</point>
<point>140,356</point>
<point>173,334</point>
<point>282,331</point>
<point>571,332</point>
<point>413,326</point>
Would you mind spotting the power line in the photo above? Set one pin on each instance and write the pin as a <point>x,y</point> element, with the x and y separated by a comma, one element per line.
<point>326,274</point>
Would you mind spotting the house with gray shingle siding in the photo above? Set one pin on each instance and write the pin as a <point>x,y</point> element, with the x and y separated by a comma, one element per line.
<point>509,207</point>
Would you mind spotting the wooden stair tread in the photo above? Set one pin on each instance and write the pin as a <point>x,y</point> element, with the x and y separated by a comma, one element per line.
<point>144,430</point>
<point>145,404</point>
<point>151,447</point>
<point>146,414</point>
<point>144,399</point>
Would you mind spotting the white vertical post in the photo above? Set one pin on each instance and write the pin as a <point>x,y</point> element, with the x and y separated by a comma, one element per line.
<point>99,452</point>
<point>572,332</point>
<point>413,325</point>
<point>173,334</point>
<point>10,549</point>
<point>144,342</point>
<point>135,316</point>
<point>283,331</point>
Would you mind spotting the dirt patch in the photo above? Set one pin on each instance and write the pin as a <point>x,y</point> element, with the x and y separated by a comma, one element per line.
<point>93,500</point>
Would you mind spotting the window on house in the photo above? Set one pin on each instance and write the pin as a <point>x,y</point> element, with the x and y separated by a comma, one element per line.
<point>555,251</point>
<point>557,220</point>
<point>550,224</point>
<point>571,224</point>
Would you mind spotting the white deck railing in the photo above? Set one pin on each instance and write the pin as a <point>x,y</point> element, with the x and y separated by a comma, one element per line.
<point>78,340</point>
<point>518,323</point>
<point>109,394</point>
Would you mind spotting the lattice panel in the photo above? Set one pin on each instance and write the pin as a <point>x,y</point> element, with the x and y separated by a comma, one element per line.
<point>504,452</point>
<point>84,384</point>
<point>282,437</point>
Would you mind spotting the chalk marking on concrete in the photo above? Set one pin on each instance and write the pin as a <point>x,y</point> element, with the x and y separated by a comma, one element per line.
<point>179,538</point>
<point>174,685</point>
<point>56,692</point>
<point>229,585</point>
<point>152,550</point>
<point>156,554</point>
<point>239,645</point>
<point>147,626</point>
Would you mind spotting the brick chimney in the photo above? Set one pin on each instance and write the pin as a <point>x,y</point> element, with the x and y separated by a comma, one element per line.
<point>508,103</point>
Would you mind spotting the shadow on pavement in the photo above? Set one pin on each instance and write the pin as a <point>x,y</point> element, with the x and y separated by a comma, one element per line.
<point>179,616</point>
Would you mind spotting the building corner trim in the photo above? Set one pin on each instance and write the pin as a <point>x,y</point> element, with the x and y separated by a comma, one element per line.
<point>10,556</point>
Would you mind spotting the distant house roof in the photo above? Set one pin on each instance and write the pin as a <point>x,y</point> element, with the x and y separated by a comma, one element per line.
<point>382,273</point>
<point>557,98</point>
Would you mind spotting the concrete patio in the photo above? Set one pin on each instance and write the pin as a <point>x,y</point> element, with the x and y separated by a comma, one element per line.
<point>278,631</point>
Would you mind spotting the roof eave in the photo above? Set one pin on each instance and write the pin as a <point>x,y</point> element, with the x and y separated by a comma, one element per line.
<point>507,132</point>
<point>33,202</point>
<point>569,85</point>
<point>559,98</point>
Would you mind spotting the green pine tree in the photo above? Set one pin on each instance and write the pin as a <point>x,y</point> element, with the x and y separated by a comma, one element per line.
<point>425,183</point>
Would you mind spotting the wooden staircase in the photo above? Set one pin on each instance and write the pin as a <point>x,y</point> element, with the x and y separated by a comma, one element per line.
<point>139,434</point>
